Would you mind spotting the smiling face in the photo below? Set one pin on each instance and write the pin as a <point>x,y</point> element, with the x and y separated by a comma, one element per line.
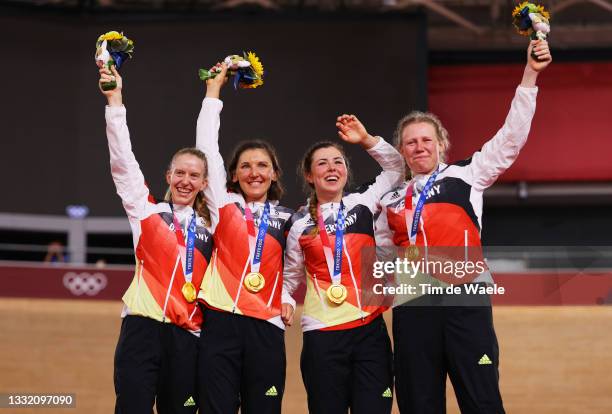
<point>328,174</point>
<point>186,178</point>
<point>420,147</point>
<point>254,173</point>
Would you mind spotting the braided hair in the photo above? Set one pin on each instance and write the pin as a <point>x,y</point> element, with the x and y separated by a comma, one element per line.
<point>305,168</point>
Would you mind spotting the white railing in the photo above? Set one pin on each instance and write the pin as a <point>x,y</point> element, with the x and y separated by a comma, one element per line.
<point>75,228</point>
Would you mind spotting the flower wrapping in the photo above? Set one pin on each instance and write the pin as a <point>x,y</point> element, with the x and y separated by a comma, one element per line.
<point>112,48</point>
<point>247,70</point>
<point>531,20</point>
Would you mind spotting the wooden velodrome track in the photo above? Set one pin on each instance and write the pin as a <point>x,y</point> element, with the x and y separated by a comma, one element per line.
<point>553,359</point>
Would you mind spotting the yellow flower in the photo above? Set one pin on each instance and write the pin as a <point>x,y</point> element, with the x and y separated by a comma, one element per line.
<point>533,9</point>
<point>517,9</point>
<point>255,64</point>
<point>543,12</point>
<point>112,35</point>
<point>253,85</point>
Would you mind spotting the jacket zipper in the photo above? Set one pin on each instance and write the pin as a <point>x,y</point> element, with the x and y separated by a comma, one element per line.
<point>314,276</point>
<point>273,289</point>
<point>140,275</point>
<point>357,292</point>
<point>178,261</point>
<point>246,265</point>
<point>465,244</point>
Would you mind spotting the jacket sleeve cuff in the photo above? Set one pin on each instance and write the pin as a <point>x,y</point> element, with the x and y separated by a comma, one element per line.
<point>112,113</point>
<point>287,298</point>
<point>524,89</point>
<point>376,148</point>
<point>213,103</point>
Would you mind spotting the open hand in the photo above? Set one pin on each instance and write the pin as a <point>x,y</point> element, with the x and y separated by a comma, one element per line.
<point>350,129</point>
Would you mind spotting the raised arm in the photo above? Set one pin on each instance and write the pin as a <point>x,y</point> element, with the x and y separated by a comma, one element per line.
<point>207,140</point>
<point>125,170</point>
<point>498,154</point>
<point>351,130</point>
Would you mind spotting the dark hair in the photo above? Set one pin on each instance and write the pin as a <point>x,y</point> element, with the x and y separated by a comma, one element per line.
<point>305,168</point>
<point>199,205</point>
<point>276,191</point>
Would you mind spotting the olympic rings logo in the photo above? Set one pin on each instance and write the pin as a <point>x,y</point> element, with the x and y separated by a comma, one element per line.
<point>85,283</point>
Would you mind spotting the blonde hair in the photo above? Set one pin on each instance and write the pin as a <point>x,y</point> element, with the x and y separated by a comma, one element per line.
<point>416,117</point>
<point>199,205</point>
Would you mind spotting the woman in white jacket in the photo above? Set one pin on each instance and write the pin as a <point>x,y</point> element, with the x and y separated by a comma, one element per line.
<point>346,357</point>
<point>242,348</point>
<point>439,210</point>
<point>156,356</point>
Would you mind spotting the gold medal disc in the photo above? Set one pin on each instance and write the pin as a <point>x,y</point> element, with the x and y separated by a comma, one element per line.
<point>189,292</point>
<point>412,253</point>
<point>336,293</point>
<point>254,282</point>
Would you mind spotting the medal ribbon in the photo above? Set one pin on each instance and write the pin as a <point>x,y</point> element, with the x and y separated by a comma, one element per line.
<point>256,244</point>
<point>190,247</point>
<point>334,262</point>
<point>413,228</point>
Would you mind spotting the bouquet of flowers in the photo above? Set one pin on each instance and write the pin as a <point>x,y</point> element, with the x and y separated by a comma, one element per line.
<point>531,20</point>
<point>247,70</point>
<point>112,48</point>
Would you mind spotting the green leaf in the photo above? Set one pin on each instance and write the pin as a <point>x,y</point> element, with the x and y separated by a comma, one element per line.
<point>107,86</point>
<point>205,74</point>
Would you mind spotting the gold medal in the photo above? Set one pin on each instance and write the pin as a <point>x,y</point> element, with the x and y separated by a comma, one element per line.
<point>189,292</point>
<point>336,293</point>
<point>254,282</point>
<point>412,253</point>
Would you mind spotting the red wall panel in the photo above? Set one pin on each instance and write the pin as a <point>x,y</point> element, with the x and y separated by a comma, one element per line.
<point>571,136</point>
<point>546,287</point>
